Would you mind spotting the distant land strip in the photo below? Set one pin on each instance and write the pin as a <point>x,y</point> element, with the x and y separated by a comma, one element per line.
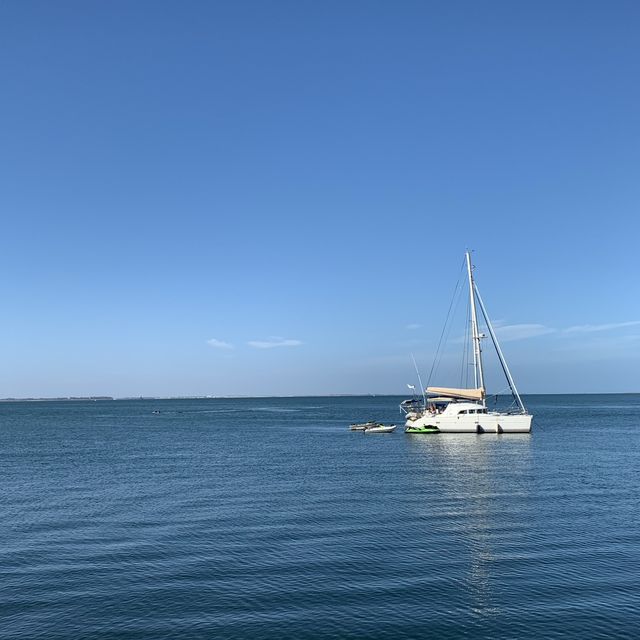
<point>209,397</point>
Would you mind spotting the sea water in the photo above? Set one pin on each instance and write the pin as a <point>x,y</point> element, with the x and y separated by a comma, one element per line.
<point>268,518</point>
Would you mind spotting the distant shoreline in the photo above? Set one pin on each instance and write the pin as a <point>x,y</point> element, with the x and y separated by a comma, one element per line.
<point>329,395</point>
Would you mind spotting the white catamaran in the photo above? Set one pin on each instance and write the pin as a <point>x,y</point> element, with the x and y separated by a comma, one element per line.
<point>447,410</point>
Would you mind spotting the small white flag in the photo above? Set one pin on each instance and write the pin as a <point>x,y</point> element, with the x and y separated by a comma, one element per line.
<point>411,387</point>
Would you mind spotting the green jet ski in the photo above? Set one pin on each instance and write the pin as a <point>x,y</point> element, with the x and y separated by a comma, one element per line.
<point>426,429</point>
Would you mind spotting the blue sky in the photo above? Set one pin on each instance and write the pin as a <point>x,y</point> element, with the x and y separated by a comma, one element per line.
<point>275,197</point>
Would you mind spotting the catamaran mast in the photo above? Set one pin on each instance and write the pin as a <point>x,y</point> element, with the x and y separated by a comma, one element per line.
<point>478,375</point>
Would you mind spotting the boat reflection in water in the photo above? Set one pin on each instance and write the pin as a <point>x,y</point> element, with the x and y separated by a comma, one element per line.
<point>473,503</point>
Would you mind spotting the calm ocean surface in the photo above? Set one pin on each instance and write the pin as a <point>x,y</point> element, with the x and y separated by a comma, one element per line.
<point>267,518</point>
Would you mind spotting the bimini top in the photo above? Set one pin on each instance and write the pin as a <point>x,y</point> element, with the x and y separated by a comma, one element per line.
<point>465,394</point>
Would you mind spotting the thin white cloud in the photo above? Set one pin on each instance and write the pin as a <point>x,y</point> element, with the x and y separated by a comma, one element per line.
<point>273,341</point>
<point>219,344</point>
<point>601,343</point>
<point>512,332</point>
<point>413,326</point>
<point>590,328</point>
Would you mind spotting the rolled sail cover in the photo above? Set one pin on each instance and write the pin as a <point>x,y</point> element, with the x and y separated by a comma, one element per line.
<point>464,394</point>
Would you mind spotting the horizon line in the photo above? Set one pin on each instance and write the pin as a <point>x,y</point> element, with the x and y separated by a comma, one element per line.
<point>103,398</point>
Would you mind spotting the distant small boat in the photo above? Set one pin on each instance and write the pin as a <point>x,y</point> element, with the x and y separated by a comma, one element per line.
<point>381,428</point>
<point>361,426</point>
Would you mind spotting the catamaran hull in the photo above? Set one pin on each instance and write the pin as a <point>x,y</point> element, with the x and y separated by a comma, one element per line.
<point>484,423</point>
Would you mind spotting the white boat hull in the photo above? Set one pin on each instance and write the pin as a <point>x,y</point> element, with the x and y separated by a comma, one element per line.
<point>476,423</point>
<point>381,429</point>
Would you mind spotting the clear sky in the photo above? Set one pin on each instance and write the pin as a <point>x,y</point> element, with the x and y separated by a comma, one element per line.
<point>275,197</point>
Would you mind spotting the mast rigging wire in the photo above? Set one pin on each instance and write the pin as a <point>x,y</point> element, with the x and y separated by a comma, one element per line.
<point>436,357</point>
